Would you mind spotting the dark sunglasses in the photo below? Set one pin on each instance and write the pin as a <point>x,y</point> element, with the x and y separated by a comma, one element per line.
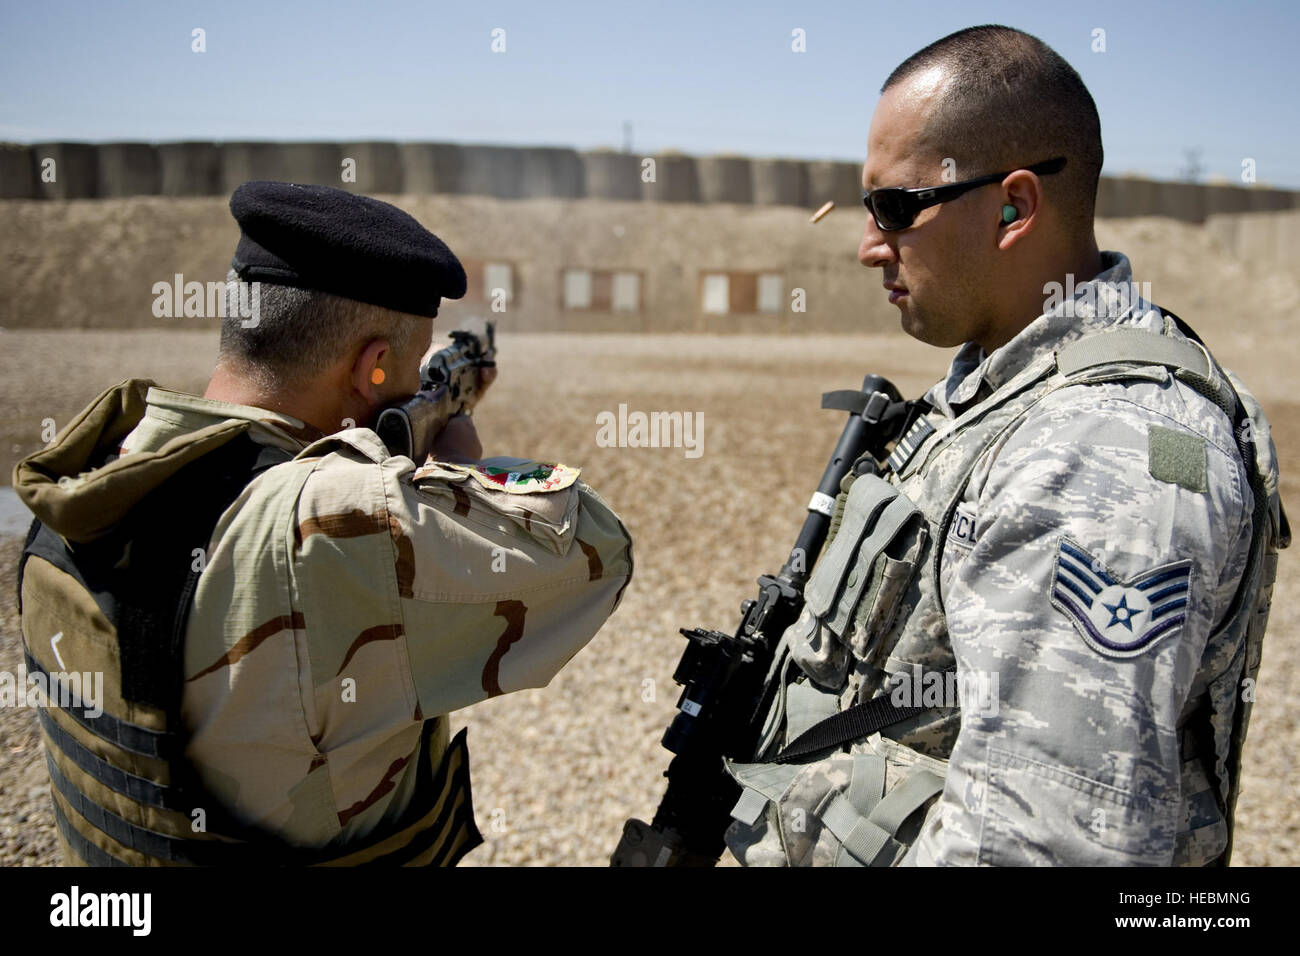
<point>896,208</point>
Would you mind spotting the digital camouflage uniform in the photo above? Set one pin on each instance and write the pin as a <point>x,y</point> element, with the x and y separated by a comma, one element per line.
<point>348,597</point>
<point>1081,573</point>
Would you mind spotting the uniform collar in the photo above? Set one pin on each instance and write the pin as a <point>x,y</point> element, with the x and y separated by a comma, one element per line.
<point>192,412</point>
<point>1109,299</point>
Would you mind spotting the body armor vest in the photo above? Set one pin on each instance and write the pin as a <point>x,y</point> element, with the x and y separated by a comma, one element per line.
<point>123,792</point>
<point>874,618</point>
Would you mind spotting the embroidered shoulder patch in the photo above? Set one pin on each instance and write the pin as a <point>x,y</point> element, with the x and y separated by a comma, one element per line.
<point>1119,618</point>
<point>520,476</point>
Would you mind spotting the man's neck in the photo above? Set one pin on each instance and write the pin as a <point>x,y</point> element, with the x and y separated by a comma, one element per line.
<point>228,386</point>
<point>1084,265</point>
<point>1088,265</point>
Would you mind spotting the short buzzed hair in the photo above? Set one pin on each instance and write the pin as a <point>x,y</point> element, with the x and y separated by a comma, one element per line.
<point>1011,101</point>
<point>300,333</point>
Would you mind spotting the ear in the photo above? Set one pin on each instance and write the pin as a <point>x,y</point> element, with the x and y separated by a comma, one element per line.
<point>365,381</point>
<point>1023,190</point>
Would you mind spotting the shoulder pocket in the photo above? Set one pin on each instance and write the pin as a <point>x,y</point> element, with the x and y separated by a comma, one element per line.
<point>540,498</point>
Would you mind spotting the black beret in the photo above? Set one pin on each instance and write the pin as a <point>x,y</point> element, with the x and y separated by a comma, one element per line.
<point>318,237</point>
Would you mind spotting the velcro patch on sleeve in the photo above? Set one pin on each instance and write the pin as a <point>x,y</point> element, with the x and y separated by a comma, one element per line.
<point>1176,457</point>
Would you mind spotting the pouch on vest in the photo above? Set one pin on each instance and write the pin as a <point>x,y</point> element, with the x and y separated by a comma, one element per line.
<point>859,809</point>
<point>854,587</point>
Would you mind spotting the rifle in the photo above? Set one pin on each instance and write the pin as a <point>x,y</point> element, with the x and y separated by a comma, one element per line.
<point>449,385</point>
<point>726,687</point>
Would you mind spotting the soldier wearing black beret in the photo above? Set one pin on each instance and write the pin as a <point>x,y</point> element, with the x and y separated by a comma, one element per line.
<point>339,250</point>
<point>285,612</point>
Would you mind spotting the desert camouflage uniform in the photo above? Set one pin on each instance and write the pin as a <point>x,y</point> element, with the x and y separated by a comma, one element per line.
<point>349,596</point>
<point>1103,493</point>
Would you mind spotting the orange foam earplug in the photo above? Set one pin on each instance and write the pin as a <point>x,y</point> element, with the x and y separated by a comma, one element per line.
<point>377,376</point>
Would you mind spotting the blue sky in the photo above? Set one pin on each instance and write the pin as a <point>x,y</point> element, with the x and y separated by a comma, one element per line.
<point>698,77</point>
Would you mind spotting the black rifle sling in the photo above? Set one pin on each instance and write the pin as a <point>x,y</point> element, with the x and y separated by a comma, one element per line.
<point>860,720</point>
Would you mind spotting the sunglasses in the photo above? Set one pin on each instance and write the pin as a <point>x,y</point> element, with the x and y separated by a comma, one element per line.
<point>896,208</point>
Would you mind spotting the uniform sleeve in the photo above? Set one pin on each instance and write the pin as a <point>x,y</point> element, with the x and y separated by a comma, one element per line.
<point>1108,540</point>
<point>499,589</point>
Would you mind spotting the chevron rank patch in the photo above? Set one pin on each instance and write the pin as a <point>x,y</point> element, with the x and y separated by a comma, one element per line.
<point>1119,618</point>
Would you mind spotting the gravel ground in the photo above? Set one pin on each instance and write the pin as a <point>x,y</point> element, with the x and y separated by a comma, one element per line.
<point>556,771</point>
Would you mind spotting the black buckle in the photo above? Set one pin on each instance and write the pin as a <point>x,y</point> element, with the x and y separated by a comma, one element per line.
<point>875,408</point>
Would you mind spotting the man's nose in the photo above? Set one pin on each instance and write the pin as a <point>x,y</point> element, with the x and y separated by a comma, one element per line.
<point>874,251</point>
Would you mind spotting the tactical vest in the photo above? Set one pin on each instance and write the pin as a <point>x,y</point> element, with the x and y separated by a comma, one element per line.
<point>123,792</point>
<point>873,609</point>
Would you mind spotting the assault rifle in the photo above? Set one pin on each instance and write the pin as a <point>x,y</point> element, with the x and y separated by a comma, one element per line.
<point>725,694</point>
<point>449,385</point>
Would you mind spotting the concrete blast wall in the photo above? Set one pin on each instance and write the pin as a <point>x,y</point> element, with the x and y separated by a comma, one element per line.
<point>1189,202</point>
<point>115,170</point>
<point>781,182</point>
<point>611,175</point>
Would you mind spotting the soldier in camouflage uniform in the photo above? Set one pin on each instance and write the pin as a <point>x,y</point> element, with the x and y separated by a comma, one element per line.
<point>348,600</point>
<point>1077,533</point>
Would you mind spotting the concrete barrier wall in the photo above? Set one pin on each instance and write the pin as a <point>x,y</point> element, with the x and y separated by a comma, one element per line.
<point>429,167</point>
<point>840,183</point>
<point>114,170</point>
<point>676,179</point>
<point>127,169</point>
<point>73,170</point>
<point>550,172</point>
<point>378,167</point>
<point>780,182</point>
<point>17,172</point>
<point>725,179</point>
<point>190,169</point>
<point>1120,197</point>
<point>611,175</point>
<point>317,163</point>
